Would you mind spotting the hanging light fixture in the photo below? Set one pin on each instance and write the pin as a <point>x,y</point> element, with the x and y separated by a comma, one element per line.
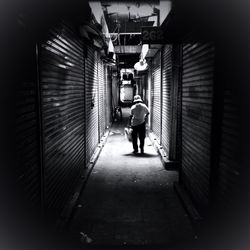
<point>141,65</point>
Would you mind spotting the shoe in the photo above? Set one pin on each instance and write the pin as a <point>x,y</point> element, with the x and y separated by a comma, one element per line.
<point>142,151</point>
<point>135,151</point>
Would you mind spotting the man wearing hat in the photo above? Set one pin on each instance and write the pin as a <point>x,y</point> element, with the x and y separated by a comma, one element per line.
<point>139,112</point>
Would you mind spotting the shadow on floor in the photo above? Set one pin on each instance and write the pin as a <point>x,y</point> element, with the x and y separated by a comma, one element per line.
<point>145,155</point>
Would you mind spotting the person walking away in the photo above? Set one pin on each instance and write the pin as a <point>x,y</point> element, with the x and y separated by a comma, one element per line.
<point>139,112</point>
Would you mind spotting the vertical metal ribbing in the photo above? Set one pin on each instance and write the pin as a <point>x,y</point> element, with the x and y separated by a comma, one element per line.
<point>174,100</point>
<point>92,121</point>
<point>98,96</point>
<point>161,96</point>
<point>84,55</point>
<point>156,100</point>
<point>179,147</point>
<point>150,93</point>
<point>167,96</point>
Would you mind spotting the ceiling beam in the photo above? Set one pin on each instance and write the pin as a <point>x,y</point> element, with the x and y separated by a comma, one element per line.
<point>128,49</point>
<point>126,33</point>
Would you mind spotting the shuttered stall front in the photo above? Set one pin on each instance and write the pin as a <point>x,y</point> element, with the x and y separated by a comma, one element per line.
<point>156,98</point>
<point>166,97</point>
<point>92,123</point>
<point>27,129</point>
<point>108,96</point>
<point>149,91</point>
<point>62,86</point>
<point>197,94</point>
<point>177,72</point>
<point>102,107</point>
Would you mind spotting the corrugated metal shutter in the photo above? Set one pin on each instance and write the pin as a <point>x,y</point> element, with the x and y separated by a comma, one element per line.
<point>156,98</point>
<point>197,98</point>
<point>101,78</point>
<point>27,129</point>
<point>178,67</point>
<point>107,98</point>
<point>108,95</point>
<point>92,123</point>
<point>146,91</point>
<point>149,92</point>
<point>175,97</point>
<point>166,97</point>
<point>62,86</point>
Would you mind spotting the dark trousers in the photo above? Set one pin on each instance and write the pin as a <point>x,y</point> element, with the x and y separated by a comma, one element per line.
<point>140,131</point>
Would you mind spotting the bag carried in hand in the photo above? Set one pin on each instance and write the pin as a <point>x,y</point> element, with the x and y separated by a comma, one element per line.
<point>128,133</point>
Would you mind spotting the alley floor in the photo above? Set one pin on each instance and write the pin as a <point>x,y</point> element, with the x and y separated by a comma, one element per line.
<point>129,199</point>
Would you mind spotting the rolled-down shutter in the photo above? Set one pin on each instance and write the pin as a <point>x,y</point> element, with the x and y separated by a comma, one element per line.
<point>107,98</point>
<point>92,123</point>
<point>197,97</point>
<point>166,98</point>
<point>62,86</point>
<point>101,78</point>
<point>108,95</point>
<point>156,98</point>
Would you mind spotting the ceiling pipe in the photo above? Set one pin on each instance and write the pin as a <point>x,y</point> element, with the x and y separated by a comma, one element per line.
<point>144,51</point>
<point>98,13</point>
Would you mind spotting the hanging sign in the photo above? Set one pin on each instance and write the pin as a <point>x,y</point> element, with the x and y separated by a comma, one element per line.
<point>152,35</point>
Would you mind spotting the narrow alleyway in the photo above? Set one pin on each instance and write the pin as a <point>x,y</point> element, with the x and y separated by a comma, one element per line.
<point>129,199</point>
<point>66,69</point>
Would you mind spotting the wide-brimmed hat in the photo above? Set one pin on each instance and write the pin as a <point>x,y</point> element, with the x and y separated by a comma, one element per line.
<point>137,98</point>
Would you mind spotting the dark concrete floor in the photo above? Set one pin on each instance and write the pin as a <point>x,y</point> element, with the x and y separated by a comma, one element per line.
<point>129,199</point>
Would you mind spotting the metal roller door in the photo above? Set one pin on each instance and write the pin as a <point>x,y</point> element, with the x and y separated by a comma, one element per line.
<point>62,89</point>
<point>197,98</point>
<point>177,71</point>
<point>101,78</point>
<point>166,97</point>
<point>146,92</point>
<point>156,98</point>
<point>91,81</point>
<point>108,95</point>
<point>107,98</point>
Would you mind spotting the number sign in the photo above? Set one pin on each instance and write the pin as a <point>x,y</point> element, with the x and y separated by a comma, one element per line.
<point>152,35</point>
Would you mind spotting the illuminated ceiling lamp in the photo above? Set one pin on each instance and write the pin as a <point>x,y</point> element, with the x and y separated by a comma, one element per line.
<point>141,65</point>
